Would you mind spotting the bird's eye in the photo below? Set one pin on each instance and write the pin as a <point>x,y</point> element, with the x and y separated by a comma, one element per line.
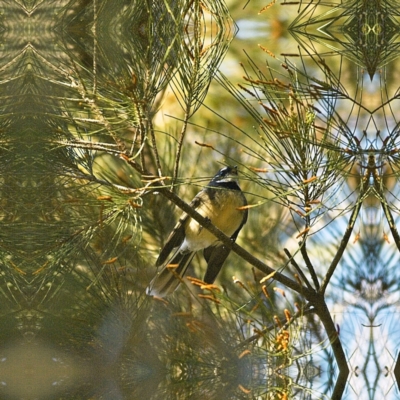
<point>224,171</point>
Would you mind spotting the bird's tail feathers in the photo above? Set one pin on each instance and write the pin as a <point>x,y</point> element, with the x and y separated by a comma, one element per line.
<point>170,276</point>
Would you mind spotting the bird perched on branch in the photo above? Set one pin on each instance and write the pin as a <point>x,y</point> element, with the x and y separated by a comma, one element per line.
<point>222,202</point>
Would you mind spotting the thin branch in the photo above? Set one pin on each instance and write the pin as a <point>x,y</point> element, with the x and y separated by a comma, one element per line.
<point>343,244</point>
<point>309,265</point>
<point>326,319</point>
<point>180,145</point>
<point>298,269</point>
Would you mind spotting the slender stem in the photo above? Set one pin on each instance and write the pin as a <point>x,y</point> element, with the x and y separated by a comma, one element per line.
<point>340,357</point>
<point>309,265</point>
<point>298,269</point>
<point>154,144</point>
<point>180,145</point>
<point>343,243</point>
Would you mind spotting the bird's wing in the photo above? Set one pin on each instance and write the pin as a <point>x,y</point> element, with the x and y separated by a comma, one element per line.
<point>174,240</point>
<point>216,255</point>
<point>177,236</point>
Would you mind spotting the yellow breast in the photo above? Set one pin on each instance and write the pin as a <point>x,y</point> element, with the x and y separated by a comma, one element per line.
<point>222,211</point>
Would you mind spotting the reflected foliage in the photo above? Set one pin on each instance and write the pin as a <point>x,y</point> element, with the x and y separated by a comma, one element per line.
<point>365,32</point>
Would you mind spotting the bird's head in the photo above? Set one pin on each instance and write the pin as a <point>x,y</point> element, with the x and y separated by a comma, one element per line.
<point>225,175</point>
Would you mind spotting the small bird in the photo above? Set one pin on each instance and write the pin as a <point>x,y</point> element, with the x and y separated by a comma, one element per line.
<point>222,202</point>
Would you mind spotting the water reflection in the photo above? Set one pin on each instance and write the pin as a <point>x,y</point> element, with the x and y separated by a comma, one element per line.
<point>106,106</point>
